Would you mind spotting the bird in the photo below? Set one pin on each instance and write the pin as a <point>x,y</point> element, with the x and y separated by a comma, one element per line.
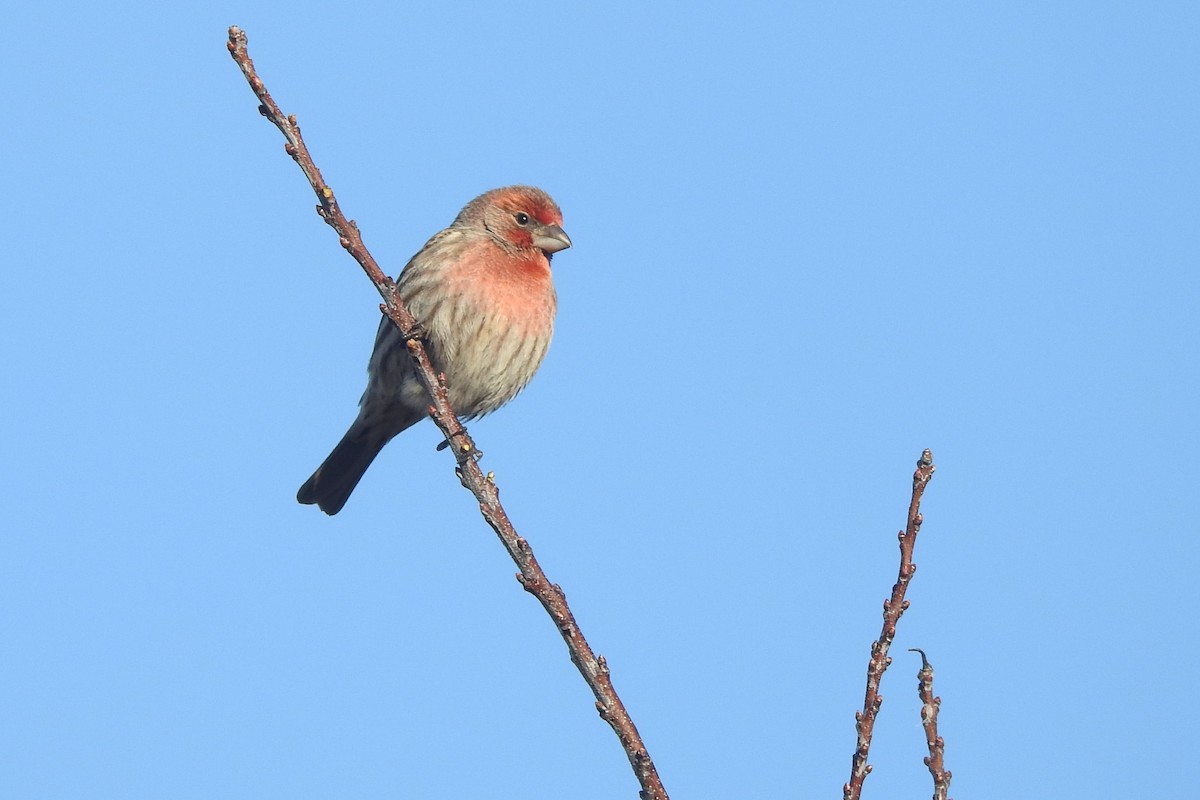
<point>484,300</point>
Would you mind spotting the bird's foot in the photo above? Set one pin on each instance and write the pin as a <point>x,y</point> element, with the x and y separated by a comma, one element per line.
<point>464,444</point>
<point>417,333</point>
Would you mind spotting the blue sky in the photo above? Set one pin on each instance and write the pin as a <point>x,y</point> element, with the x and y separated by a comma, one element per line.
<point>810,240</point>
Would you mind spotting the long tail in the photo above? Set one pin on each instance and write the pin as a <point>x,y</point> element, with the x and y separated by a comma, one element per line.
<point>333,482</point>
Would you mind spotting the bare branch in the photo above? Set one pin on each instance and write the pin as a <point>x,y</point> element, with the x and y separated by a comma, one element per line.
<point>893,608</point>
<point>594,670</point>
<point>929,714</point>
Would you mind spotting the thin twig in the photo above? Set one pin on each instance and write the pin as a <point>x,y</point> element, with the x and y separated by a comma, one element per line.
<point>594,669</point>
<point>929,715</point>
<point>893,607</point>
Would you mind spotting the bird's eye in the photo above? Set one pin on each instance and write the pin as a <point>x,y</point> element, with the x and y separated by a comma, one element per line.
<point>522,218</point>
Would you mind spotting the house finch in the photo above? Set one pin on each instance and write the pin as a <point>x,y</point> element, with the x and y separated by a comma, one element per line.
<point>483,296</point>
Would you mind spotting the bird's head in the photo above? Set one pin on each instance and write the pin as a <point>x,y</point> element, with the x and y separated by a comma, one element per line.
<point>520,217</point>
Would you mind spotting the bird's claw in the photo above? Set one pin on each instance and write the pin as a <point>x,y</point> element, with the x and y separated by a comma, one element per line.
<point>416,333</point>
<point>466,446</point>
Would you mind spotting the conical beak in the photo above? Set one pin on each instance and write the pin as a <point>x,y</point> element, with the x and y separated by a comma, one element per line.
<point>551,239</point>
